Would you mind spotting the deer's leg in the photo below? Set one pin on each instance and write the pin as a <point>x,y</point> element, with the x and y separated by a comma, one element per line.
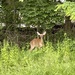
<point>32,47</point>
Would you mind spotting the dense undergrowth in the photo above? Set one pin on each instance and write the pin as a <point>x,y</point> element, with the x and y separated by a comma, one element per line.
<point>44,61</point>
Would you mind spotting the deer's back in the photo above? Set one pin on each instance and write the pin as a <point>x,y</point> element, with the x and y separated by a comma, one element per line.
<point>36,42</point>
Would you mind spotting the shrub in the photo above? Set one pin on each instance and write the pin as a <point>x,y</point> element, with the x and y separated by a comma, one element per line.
<point>43,61</point>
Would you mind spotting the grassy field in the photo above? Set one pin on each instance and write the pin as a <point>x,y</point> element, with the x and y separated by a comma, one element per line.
<point>44,61</point>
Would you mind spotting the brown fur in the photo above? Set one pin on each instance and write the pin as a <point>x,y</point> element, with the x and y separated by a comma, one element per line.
<point>37,42</point>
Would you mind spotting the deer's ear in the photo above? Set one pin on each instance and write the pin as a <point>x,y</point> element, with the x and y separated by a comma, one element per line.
<point>38,33</point>
<point>44,33</point>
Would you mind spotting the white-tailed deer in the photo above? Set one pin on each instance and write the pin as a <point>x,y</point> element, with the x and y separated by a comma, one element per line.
<point>37,42</point>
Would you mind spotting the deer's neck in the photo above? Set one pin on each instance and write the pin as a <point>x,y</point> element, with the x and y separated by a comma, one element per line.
<point>41,40</point>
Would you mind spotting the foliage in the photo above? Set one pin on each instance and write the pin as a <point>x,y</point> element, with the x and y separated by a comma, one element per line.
<point>21,0</point>
<point>68,8</point>
<point>40,12</point>
<point>35,12</point>
<point>10,13</point>
<point>44,61</point>
<point>0,11</point>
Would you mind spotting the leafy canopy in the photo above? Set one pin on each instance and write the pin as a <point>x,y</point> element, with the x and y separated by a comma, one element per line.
<point>39,12</point>
<point>68,8</point>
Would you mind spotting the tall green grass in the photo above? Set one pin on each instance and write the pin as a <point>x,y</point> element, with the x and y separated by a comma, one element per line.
<point>43,61</point>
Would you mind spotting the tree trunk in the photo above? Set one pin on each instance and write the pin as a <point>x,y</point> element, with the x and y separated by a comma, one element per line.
<point>67,26</point>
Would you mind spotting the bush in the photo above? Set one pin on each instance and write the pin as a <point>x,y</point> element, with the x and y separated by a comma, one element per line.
<point>43,61</point>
